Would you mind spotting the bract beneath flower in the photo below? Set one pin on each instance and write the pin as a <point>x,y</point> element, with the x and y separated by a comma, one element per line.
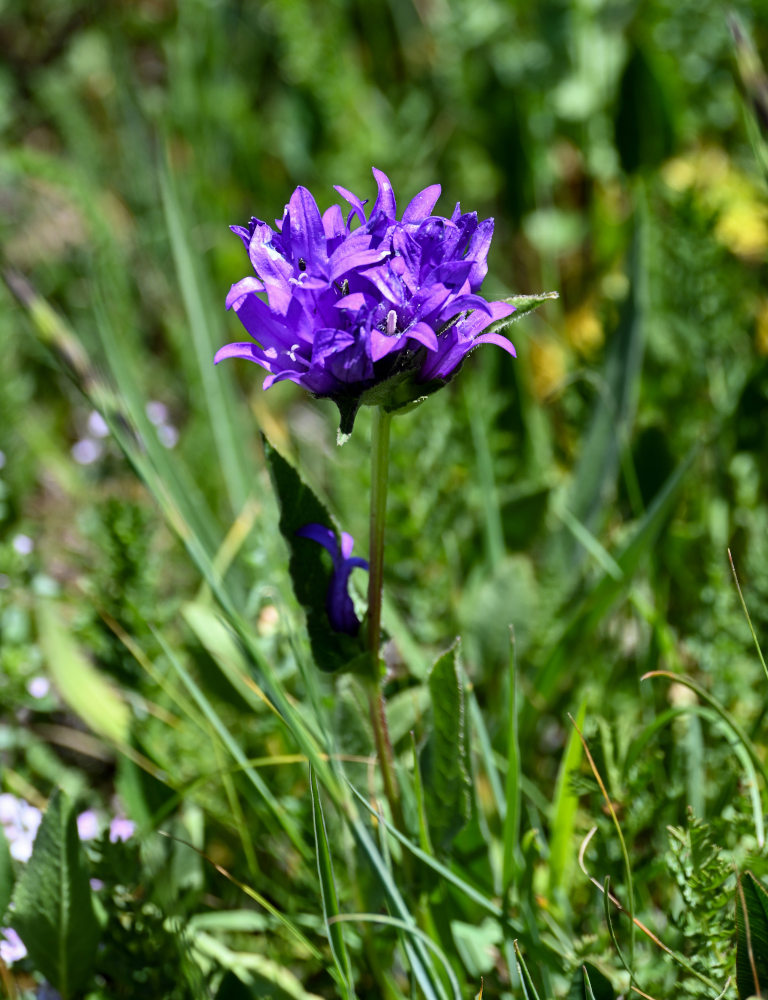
<point>366,309</point>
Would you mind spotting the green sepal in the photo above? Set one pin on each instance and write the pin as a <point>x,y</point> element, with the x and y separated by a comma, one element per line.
<point>310,567</point>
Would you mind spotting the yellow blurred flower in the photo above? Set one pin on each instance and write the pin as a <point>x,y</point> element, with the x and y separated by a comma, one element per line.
<point>548,366</point>
<point>584,329</point>
<point>742,223</point>
<point>743,228</point>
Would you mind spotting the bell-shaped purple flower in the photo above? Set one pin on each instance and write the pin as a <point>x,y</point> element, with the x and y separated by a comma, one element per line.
<point>370,309</point>
<point>338,603</point>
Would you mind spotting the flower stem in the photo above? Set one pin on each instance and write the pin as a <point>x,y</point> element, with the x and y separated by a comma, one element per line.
<point>379,474</point>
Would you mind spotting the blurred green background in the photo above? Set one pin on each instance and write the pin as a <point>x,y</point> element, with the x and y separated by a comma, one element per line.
<point>585,493</point>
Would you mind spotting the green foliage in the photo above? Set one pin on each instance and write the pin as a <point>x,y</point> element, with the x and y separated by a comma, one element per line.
<point>752,936</point>
<point>584,493</point>
<point>309,566</point>
<point>589,983</point>
<point>53,908</point>
<point>443,759</point>
<point>6,874</point>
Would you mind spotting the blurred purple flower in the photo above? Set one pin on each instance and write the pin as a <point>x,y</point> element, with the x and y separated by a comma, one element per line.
<point>121,829</point>
<point>20,822</point>
<point>88,825</point>
<point>381,314</point>
<point>338,603</point>
<point>12,948</point>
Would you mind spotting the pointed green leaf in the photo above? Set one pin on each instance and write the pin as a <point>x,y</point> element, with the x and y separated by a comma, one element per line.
<point>751,937</point>
<point>446,776</point>
<point>53,907</point>
<point>589,983</point>
<point>310,565</point>
<point>562,847</point>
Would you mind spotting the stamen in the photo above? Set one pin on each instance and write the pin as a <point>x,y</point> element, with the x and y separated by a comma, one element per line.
<point>391,323</point>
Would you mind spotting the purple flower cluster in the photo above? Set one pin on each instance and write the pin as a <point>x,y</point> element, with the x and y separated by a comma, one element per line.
<point>369,309</point>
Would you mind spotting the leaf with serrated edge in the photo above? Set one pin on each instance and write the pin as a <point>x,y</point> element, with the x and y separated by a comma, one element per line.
<point>309,564</point>
<point>52,903</point>
<point>751,936</point>
<point>446,779</point>
<point>6,874</point>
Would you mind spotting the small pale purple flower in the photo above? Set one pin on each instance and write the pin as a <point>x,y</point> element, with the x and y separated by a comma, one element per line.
<point>88,825</point>
<point>12,948</point>
<point>121,829</point>
<point>338,603</point>
<point>370,309</point>
<point>20,822</point>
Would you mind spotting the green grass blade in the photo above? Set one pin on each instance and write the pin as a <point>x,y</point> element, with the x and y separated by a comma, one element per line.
<point>407,928</point>
<point>217,384</point>
<point>331,912</point>
<point>234,749</point>
<point>512,857</point>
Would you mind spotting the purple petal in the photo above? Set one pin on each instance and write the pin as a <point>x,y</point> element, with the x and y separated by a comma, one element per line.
<point>387,283</point>
<point>420,207</point>
<point>464,302</point>
<point>347,544</point>
<point>354,301</point>
<point>382,344</point>
<point>323,536</point>
<point>355,252</point>
<point>496,338</point>
<point>479,245</point>
<point>307,236</point>
<point>238,350</point>
<point>341,610</point>
<point>333,222</point>
<point>424,334</point>
<point>273,269</point>
<point>329,341</point>
<point>358,207</point>
<point>241,288</point>
<point>385,199</point>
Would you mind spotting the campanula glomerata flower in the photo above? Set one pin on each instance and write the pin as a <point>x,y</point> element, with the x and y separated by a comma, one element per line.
<point>338,603</point>
<point>368,309</point>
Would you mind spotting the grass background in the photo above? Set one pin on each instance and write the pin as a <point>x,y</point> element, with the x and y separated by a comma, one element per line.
<point>585,493</point>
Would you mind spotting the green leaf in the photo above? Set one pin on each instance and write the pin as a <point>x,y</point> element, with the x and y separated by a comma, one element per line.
<point>6,874</point>
<point>751,936</point>
<point>310,565</point>
<point>83,688</point>
<point>446,776</point>
<point>53,907</point>
<point>562,848</point>
<point>589,983</point>
<point>477,944</point>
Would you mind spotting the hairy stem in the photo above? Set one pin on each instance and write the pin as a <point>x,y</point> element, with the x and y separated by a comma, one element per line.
<point>377,707</point>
